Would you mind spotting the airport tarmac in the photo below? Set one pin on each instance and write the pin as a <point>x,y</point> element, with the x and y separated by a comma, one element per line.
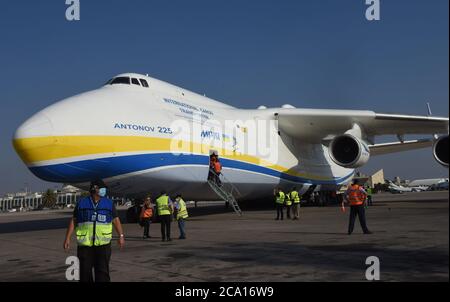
<point>411,239</point>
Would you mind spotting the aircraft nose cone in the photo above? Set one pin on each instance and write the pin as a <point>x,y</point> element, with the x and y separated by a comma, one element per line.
<point>29,137</point>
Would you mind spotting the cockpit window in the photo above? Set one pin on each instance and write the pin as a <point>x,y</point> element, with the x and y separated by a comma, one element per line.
<point>144,83</point>
<point>120,80</point>
<point>128,81</point>
<point>135,81</point>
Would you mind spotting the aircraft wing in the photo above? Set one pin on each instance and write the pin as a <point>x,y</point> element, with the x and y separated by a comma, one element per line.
<point>315,125</point>
<point>380,149</point>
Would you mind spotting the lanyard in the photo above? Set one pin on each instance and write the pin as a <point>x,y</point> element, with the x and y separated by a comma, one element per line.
<point>94,205</point>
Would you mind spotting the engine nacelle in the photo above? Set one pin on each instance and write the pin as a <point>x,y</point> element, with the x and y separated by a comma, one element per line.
<point>348,151</point>
<point>440,150</point>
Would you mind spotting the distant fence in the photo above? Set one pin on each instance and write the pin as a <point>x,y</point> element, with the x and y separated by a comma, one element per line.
<point>29,202</point>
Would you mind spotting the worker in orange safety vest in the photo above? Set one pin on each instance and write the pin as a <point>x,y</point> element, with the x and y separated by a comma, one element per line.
<point>217,169</point>
<point>356,196</point>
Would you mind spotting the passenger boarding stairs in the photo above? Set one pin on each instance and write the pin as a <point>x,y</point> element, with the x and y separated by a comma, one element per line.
<point>225,190</point>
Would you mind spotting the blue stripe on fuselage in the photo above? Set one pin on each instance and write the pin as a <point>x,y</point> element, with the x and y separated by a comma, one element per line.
<point>87,170</point>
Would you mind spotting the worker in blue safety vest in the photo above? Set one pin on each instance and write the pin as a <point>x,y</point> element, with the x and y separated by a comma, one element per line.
<point>93,220</point>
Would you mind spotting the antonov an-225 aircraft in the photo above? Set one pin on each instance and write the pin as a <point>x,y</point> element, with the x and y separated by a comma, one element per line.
<point>142,135</point>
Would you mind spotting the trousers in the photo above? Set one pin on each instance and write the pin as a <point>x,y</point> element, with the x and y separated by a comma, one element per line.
<point>361,213</point>
<point>95,258</point>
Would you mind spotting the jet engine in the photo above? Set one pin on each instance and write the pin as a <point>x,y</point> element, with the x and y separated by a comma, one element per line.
<point>348,151</point>
<point>440,150</point>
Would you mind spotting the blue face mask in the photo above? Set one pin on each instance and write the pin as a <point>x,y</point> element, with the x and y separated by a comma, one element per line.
<point>102,192</point>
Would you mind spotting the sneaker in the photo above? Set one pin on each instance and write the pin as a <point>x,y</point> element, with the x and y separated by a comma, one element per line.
<point>168,239</point>
<point>368,233</point>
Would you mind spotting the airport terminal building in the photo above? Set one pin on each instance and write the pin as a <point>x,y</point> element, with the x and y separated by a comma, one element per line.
<point>26,201</point>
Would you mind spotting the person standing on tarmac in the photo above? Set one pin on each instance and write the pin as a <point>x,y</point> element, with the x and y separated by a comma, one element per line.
<point>316,199</point>
<point>164,207</point>
<point>279,201</point>
<point>295,198</point>
<point>356,197</point>
<point>288,203</point>
<point>146,216</point>
<point>369,196</point>
<point>182,215</point>
<point>93,220</point>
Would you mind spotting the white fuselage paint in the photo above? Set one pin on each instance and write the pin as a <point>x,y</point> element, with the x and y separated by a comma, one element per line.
<point>145,112</point>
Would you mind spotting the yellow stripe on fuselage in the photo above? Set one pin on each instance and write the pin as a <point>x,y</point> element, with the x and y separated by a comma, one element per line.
<point>40,149</point>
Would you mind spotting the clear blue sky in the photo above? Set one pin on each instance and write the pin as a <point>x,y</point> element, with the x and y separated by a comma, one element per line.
<point>309,53</point>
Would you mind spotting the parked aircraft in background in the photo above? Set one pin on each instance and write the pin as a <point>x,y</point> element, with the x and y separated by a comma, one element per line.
<point>427,182</point>
<point>393,188</point>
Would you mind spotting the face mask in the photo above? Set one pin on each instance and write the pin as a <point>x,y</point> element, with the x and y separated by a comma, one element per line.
<point>102,192</point>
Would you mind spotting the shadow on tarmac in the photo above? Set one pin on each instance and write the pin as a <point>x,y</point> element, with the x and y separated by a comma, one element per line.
<point>284,254</point>
<point>60,223</point>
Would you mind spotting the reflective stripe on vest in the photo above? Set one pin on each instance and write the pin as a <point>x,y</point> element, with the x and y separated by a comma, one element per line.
<point>295,196</point>
<point>182,212</point>
<point>355,196</point>
<point>146,213</point>
<point>162,204</point>
<point>94,222</point>
<point>288,200</point>
<point>280,198</point>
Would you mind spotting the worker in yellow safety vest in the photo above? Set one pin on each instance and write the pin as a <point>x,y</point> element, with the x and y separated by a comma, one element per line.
<point>356,196</point>
<point>93,219</point>
<point>288,203</point>
<point>182,215</point>
<point>280,198</point>
<point>164,208</point>
<point>295,197</point>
